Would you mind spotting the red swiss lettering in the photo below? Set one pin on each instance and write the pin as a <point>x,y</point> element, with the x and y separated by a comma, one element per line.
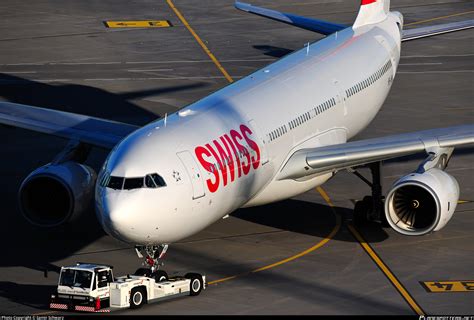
<point>241,149</point>
<point>200,152</point>
<point>246,132</point>
<point>236,154</point>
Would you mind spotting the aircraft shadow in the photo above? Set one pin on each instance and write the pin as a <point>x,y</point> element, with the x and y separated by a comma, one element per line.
<point>309,218</point>
<point>83,99</point>
<point>23,244</point>
<point>273,51</point>
<point>34,296</point>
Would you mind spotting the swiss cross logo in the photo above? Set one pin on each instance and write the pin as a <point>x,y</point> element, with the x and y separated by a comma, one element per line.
<point>227,158</point>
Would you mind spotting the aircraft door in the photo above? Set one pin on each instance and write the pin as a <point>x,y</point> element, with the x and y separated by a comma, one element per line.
<point>260,141</point>
<point>340,97</point>
<point>194,173</point>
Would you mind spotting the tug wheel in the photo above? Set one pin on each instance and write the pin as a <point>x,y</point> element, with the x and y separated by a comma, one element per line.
<point>137,298</point>
<point>143,272</point>
<point>196,284</point>
<point>160,275</point>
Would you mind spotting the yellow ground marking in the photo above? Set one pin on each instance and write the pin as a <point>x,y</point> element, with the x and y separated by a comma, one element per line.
<point>464,201</point>
<point>449,286</point>
<point>294,257</point>
<point>439,18</point>
<point>229,78</point>
<point>201,43</point>
<point>138,24</point>
<point>319,189</point>
<point>383,267</point>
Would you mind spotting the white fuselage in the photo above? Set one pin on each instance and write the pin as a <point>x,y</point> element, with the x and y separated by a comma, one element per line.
<point>223,152</point>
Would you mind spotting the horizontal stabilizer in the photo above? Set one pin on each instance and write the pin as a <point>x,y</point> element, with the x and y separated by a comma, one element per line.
<point>423,32</point>
<point>94,131</point>
<point>315,25</point>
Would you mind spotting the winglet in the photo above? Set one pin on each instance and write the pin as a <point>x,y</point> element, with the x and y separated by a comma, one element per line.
<point>371,11</point>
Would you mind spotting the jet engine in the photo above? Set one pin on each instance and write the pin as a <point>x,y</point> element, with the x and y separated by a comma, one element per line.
<point>55,194</point>
<point>420,203</point>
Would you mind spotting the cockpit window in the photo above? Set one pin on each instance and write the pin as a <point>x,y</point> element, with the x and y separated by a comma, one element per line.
<point>133,183</point>
<point>115,183</point>
<point>149,183</point>
<point>151,180</point>
<point>158,180</point>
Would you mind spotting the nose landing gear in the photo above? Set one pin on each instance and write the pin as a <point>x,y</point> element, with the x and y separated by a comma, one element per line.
<point>153,261</point>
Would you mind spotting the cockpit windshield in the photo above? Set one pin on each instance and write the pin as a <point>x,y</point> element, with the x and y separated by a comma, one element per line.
<point>75,278</point>
<point>133,183</point>
<point>152,180</point>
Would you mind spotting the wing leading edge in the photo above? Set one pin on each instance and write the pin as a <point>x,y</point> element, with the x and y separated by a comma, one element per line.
<point>326,28</point>
<point>315,25</point>
<point>94,131</point>
<point>423,32</point>
<point>307,162</point>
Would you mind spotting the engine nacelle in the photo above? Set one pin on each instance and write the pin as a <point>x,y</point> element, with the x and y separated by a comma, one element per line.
<point>55,194</point>
<point>420,203</point>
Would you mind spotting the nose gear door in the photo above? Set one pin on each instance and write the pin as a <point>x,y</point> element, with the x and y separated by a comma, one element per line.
<point>194,173</point>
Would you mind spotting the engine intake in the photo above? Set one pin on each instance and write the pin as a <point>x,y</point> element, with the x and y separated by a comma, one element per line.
<point>55,194</point>
<point>420,203</point>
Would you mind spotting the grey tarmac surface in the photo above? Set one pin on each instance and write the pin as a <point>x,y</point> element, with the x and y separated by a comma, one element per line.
<point>58,54</point>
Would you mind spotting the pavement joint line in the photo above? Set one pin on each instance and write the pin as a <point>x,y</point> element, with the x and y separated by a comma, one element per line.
<point>439,18</point>
<point>435,71</point>
<point>201,43</point>
<point>292,258</point>
<point>378,261</point>
<point>387,272</point>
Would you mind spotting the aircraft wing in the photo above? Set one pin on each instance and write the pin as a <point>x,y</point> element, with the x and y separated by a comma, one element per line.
<point>319,26</point>
<point>332,158</point>
<point>423,32</point>
<point>94,131</point>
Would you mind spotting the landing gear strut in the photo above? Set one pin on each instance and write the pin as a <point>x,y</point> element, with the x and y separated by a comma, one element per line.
<point>371,208</point>
<point>153,261</point>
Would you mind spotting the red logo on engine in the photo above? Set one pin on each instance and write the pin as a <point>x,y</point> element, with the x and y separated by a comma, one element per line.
<point>227,158</point>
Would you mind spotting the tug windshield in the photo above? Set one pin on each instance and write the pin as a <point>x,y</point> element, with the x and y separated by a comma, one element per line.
<point>75,278</point>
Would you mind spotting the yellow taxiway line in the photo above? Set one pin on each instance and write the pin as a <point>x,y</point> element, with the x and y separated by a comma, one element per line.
<point>201,43</point>
<point>229,78</point>
<point>336,228</point>
<point>386,271</point>
<point>294,257</point>
<point>378,261</point>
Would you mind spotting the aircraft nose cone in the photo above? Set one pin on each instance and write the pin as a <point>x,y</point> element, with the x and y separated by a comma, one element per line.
<point>116,217</point>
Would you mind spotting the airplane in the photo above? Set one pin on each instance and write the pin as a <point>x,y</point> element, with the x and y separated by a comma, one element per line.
<point>274,134</point>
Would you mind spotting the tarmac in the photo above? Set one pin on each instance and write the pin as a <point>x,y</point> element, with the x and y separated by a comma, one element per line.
<point>300,256</point>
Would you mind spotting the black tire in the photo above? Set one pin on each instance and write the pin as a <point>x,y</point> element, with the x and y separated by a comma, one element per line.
<point>137,298</point>
<point>196,285</point>
<point>383,220</point>
<point>360,213</point>
<point>143,272</point>
<point>160,275</point>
